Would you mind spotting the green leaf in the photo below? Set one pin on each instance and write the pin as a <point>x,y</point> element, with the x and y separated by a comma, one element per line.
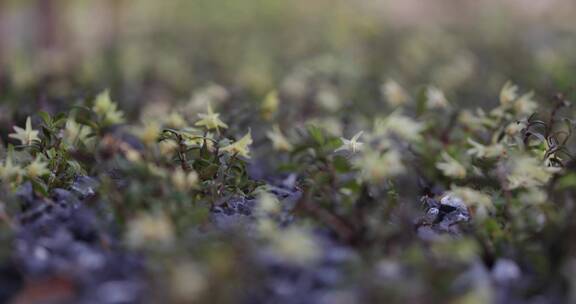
<point>205,152</point>
<point>208,172</point>
<point>46,118</point>
<point>316,134</point>
<point>341,164</point>
<point>87,122</point>
<point>567,182</point>
<point>40,187</point>
<point>421,101</point>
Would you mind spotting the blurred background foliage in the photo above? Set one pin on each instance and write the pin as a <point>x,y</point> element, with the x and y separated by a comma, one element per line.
<point>53,52</point>
<point>315,70</point>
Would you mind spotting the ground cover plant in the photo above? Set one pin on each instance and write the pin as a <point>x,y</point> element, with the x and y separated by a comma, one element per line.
<point>485,202</point>
<point>379,162</point>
